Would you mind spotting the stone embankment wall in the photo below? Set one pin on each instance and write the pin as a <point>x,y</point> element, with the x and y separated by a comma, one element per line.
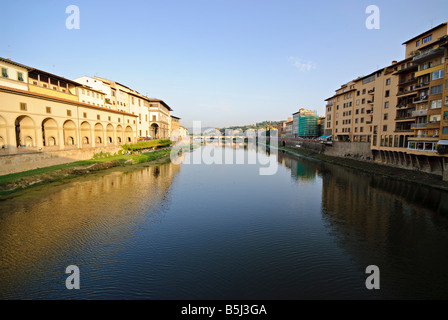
<point>361,151</point>
<point>34,160</point>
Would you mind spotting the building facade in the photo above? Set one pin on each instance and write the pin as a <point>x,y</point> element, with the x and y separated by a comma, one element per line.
<point>305,123</point>
<point>40,111</point>
<point>401,109</point>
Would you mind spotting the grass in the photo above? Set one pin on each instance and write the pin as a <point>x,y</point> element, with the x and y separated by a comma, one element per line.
<point>17,181</point>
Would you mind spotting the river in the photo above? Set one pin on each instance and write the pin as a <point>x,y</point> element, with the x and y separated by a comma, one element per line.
<point>198,231</point>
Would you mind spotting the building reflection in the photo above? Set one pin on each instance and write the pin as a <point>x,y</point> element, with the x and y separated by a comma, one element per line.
<point>41,226</point>
<point>374,218</point>
<point>302,170</point>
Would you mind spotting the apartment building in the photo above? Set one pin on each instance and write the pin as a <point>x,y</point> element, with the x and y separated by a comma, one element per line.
<point>305,123</point>
<point>401,109</point>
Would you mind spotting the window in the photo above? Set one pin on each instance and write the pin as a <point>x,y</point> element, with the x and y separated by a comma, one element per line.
<point>22,106</point>
<point>98,117</point>
<point>154,118</point>
<point>387,82</point>
<point>356,120</point>
<point>363,91</point>
<point>386,105</point>
<point>437,89</point>
<point>446,99</point>
<point>84,114</point>
<point>4,73</point>
<point>386,116</point>
<point>361,129</point>
<point>378,74</point>
<point>69,113</point>
<point>357,111</point>
<point>437,75</point>
<point>435,104</point>
<point>357,102</point>
<point>417,44</point>
<point>384,128</point>
<point>362,120</point>
<point>363,101</point>
<point>48,109</point>
<point>427,39</point>
<point>19,76</point>
<point>445,130</point>
<point>119,120</point>
<point>387,93</point>
<point>113,93</point>
<point>362,110</point>
<point>109,118</point>
<point>358,93</point>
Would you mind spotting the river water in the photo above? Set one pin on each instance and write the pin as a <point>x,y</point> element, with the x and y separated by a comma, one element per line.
<point>197,231</point>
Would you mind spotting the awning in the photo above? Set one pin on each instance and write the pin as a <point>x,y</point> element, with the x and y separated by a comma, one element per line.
<point>443,142</point>
<point>324,137</point>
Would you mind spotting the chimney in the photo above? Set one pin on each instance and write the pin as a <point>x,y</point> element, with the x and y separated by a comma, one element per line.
<point>394,62</point>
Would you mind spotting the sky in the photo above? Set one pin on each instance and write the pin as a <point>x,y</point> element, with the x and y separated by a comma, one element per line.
<point>221,62</point>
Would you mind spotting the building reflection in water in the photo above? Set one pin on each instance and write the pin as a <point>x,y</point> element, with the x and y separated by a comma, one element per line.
<point>401,227</point>
<point>301,169</point>
<point>37,229</point>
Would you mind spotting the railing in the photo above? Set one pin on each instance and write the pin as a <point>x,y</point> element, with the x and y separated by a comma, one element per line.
<point>403,130</point>
<point>428,54</point>
<point>405,117</point>
<point>371,91</point>
<point>419,125</point>
<point>419,113</point>
<point>369,111</point>
<point>421,99</point>
<point>422,85</point>
<point>407,81</point>
<point>370,101</point>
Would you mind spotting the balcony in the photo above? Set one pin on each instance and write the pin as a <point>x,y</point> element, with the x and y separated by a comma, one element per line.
<point>371,91</point>
<point>369,122</point>
<point>421,99</point>
<point>428,55</point>
<point>419,113</point>
<point>403,130</point>
<point>405,92</point>
<point>419,125</point>
<point>370,101</point>
<point>409,81</point>
<point>433,125</point>
<point>408,116</point>
<point>369,111</point>
<point>422,85</point>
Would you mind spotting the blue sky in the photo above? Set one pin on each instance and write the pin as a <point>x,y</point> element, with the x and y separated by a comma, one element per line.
<point>221,62</point>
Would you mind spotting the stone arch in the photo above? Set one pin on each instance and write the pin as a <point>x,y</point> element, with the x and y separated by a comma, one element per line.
<point>128,135</point>
<point>3,133</point>
<point>25,132</point>
<point>99,133</point>
<point>49,132</point>
<point>86,133</point>
<point>109,134</point>
<point>119,134</point>
<point>70,133</point>
<point>155,130</point>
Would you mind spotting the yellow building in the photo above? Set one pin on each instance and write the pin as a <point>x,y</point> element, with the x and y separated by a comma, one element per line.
<point>40,111</point>
<point>401,109</point>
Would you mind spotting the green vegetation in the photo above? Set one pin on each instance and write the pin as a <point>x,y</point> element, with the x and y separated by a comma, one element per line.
<point>147,145</point>
<point>104,160</point>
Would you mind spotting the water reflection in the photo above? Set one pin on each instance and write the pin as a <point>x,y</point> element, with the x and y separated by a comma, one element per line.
<point>57,226</point>
<point>398,226</point>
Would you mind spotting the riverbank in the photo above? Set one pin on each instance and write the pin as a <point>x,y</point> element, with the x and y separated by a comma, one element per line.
<point>12,183</point>
<point>412,176</point>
